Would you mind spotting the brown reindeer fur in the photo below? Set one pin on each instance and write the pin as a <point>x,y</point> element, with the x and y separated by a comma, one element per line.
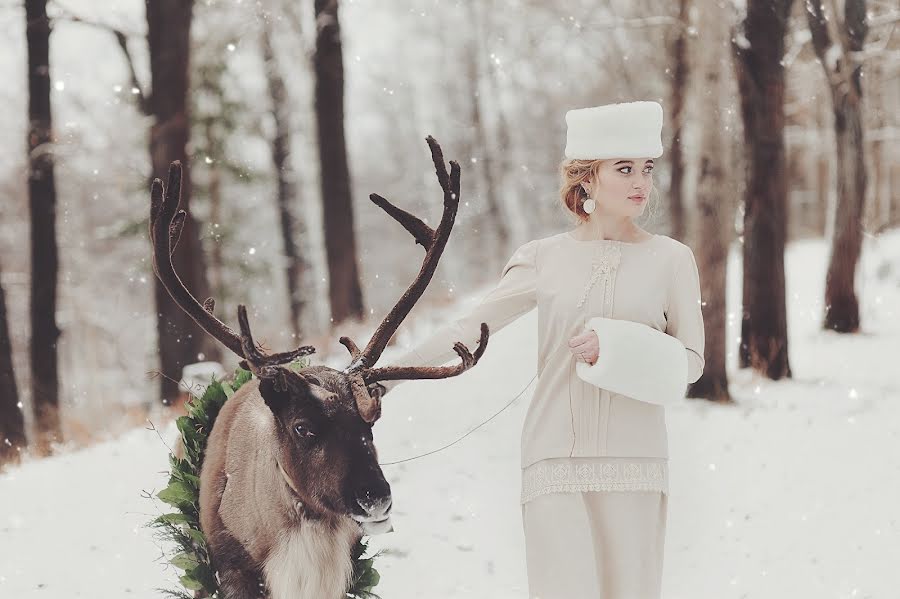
<point>261,539</point>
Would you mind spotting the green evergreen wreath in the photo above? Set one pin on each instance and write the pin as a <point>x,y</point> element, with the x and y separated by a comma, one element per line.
<point>182,527</point>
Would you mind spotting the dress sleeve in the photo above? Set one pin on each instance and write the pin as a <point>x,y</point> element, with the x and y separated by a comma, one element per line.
<point>514,295</point>
<point>641,362</point>
<point>684,316</point>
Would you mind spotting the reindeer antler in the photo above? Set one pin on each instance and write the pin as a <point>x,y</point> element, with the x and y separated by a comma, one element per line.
<point>166,224</point>
<point>434,241</point>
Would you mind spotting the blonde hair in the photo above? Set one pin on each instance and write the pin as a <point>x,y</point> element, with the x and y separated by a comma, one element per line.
<point>573,172</point>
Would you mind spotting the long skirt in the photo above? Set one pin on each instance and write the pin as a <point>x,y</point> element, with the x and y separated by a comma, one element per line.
<point>595,544</point>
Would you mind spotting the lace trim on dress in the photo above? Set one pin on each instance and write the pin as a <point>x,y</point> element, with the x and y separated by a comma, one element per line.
<point>570,476</point>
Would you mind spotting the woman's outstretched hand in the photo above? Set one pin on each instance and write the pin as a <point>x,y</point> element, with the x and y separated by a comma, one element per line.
<point>585,347</point>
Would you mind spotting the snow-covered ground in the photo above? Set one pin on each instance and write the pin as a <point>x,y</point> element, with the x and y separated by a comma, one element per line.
<point>792,492</point>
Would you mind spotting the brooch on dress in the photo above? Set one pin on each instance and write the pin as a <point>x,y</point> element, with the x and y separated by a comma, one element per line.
<point>605,261</point>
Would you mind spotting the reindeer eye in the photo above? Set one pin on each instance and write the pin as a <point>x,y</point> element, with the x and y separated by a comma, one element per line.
<point>303,430</point>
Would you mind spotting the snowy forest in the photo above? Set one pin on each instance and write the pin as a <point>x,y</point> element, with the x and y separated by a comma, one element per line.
<point>780,171</point>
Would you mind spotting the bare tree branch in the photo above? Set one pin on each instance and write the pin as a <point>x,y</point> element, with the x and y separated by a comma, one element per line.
<point>143,99</point>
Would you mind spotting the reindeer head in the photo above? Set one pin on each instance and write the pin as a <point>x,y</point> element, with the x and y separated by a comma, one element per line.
<point>325,450</point>
<point>323,417</point>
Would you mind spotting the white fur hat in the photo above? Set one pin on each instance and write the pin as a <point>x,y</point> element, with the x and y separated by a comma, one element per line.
<point>625,130</point>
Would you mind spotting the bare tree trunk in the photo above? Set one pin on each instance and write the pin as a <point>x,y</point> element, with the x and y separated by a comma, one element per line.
<point>843,70</point>
<point>881,154</point>
<point>510,181</point>
<point>44,254</point>
<point>758,48</point>
<point>676,147</point>
<point>822,171</point>
<point>344,291</point>
<point>295,264</point>
<point>823,176</point>
<point>713,215</point>
<point>475,75</point>
<point>216,263</point>
<point>12,421</point>
<point>181,341</point>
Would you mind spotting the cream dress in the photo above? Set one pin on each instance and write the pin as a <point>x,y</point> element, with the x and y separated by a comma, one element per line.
<point>594,462</point>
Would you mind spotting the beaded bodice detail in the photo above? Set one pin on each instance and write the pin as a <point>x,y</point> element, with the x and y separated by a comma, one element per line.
<point>606,261</point>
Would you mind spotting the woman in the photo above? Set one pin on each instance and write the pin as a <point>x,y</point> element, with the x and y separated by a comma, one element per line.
<point>620,335</point>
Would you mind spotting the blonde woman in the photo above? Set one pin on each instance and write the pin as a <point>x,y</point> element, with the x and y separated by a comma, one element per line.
<point>620,335</point>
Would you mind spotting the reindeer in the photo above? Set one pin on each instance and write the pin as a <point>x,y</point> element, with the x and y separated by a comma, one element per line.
<point>290,480</point>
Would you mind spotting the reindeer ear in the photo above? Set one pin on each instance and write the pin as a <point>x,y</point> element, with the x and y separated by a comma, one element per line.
<point>275,397</point>
<point>309,379</point>
<point>280,387</point>
<point>275,386</point>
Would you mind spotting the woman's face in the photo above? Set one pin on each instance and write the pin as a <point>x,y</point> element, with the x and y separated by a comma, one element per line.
<point>622,187</point>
